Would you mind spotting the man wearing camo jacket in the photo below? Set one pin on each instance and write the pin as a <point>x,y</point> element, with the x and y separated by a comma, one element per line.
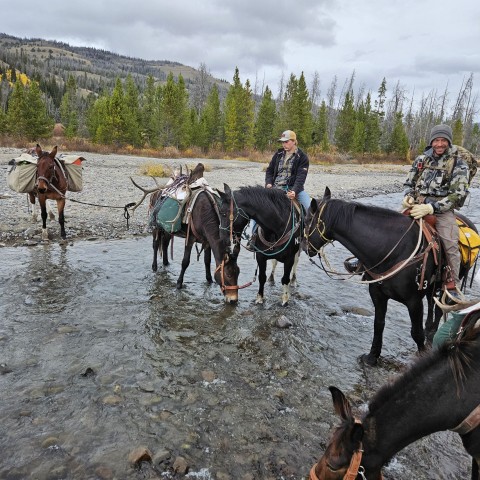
<point>437,184</point>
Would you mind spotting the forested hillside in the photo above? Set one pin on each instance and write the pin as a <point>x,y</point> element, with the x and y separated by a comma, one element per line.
<point>128,102</point>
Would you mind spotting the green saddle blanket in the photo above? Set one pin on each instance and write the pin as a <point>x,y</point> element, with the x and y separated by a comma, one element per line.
<point>167,215</point>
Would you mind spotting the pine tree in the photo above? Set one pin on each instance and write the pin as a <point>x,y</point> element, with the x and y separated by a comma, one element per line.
<point>345,124</point>
<point>321,127</point>
<point>398,142</point>
<point>264,126</point>
<point>211,120</point>
<point>116,122</point>
<point>457,131</point>
<point>149,126</point>
<point>132,113</point>
<point>232,112</point>
<point>69,108</point>
<point>303,114</point>
<point>15,121</point>
<point>372,127</point>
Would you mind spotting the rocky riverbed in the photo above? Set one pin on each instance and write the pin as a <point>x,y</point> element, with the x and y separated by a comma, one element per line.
<point>97,211</point>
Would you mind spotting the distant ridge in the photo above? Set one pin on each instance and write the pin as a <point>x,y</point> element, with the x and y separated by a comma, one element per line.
<point>94,69</point>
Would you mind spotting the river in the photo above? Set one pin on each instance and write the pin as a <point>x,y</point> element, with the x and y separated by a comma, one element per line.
<point>99,356</point>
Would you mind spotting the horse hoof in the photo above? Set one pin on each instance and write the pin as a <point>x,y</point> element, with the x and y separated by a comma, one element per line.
<point>259,301</point>
<point>368,359</point>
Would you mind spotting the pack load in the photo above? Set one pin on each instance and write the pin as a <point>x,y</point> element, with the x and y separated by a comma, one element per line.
<point>470,159</point>
<point>468,243</point>
<point>21,173</point>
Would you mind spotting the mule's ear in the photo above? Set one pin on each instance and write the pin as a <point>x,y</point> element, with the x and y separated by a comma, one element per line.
<point>227,189</point>
<point>38,150</point>
<point>53,153</point>
<point>327,195</point>
<point>341,404</point>
<point>313,205</point>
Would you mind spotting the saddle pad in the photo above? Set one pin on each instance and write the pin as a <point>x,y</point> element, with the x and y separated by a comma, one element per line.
<point>167,215</point>
<point>469,244</point>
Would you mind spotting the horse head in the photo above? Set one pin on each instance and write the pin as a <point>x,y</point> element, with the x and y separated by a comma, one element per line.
<point>45,168</point>
<point>314,235</point>
<point>343,456</point>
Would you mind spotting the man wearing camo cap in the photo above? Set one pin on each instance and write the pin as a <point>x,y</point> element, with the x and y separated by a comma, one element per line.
<point>437,184</point>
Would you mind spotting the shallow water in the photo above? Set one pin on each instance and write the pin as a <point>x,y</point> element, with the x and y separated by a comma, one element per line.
<point>99,355</point>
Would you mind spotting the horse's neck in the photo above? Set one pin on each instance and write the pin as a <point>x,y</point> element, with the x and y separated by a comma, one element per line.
<point>410,414</point>
<point>268,219</point>
<point>206,224</point>
<point>365,239</point>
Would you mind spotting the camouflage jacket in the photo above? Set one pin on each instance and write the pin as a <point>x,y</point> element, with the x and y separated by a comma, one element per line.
<point>442,181</point>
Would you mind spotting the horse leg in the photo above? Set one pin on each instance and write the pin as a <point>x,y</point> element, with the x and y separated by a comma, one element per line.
<point>61,217</point>
<point>51,215</point>
<point>293,280</point>
<point>262,277</point>
<point>207,259</point>
<point>185,263</point>
<point>287,270</point>
<point>415,310</point>
<point>165,239</point>
<point>380,302</point>
<point>271,278</point>
<point>43,211</point>
<point>475,475</point>
<point>34,207</point>
<point>155,246</point>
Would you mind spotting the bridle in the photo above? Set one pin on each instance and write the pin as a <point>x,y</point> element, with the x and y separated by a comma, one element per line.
<point>320,228</point>
<point>224,288</point>
<point>54,176</point>
<point>355,467</point>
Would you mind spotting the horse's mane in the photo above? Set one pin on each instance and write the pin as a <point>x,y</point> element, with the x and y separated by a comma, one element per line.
<point>267,198</point>
<point>460,353</point>
<point>340,210</point>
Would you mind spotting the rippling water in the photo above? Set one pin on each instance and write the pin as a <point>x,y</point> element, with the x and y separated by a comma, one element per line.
<point>99,355</point>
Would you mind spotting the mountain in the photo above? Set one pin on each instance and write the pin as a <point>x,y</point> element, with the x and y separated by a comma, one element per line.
<point>94,69</point>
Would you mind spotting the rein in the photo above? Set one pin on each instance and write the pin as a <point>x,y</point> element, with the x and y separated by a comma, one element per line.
<point>377,278</point>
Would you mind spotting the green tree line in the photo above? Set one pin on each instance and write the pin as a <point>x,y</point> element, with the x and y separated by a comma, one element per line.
<point>164,114</point>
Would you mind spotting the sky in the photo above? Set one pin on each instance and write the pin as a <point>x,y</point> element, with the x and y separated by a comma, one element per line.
<point>421,45</point>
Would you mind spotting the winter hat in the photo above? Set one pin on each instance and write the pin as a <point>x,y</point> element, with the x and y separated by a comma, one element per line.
<point>441,131</point>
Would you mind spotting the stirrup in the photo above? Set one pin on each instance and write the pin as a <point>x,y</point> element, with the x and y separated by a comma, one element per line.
<point>353,265</point>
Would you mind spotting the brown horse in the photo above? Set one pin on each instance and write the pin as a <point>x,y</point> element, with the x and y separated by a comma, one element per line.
<point>51,184</point>
<point>440,392</point>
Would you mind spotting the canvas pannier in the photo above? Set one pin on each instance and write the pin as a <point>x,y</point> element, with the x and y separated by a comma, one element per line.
<point>21,175</point>
<point>73,166</point>
<point>167,215</point>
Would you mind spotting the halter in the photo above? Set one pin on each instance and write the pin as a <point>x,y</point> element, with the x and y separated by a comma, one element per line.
<point>320,227</point>
<point>223,287</point>
<point>355,467</point>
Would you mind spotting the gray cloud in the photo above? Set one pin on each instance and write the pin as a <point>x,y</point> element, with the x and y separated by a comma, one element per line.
<point>402,40</point>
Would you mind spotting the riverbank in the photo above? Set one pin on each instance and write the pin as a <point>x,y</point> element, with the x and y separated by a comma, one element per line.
<point>107,189</point>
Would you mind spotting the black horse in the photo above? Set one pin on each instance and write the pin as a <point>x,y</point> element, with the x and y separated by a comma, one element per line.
<point>280,228</point>
<point>399,263</point>
<point>403,412</point>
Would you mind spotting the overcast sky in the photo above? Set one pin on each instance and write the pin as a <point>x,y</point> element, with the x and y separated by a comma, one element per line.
<point>423,44</point>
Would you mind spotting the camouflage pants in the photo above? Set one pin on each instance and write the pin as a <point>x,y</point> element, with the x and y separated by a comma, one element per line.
<point>448,232</point>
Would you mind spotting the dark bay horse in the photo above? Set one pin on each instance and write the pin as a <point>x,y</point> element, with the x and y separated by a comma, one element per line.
<point>440,392</point>
<point>279,233</point>
<point>203,228</point>
<point>384,241</point>
<point>51,183</point>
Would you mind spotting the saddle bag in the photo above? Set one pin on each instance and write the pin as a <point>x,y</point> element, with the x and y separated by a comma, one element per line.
<point>469,244</point>
<point>21,174</point>
<point>167,215</point>
<point>74,169</point>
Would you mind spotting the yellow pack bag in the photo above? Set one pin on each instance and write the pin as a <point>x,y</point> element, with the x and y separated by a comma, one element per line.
<point>468,243</point>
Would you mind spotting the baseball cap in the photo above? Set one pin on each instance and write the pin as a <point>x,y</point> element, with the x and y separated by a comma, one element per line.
<point>288,135</point>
